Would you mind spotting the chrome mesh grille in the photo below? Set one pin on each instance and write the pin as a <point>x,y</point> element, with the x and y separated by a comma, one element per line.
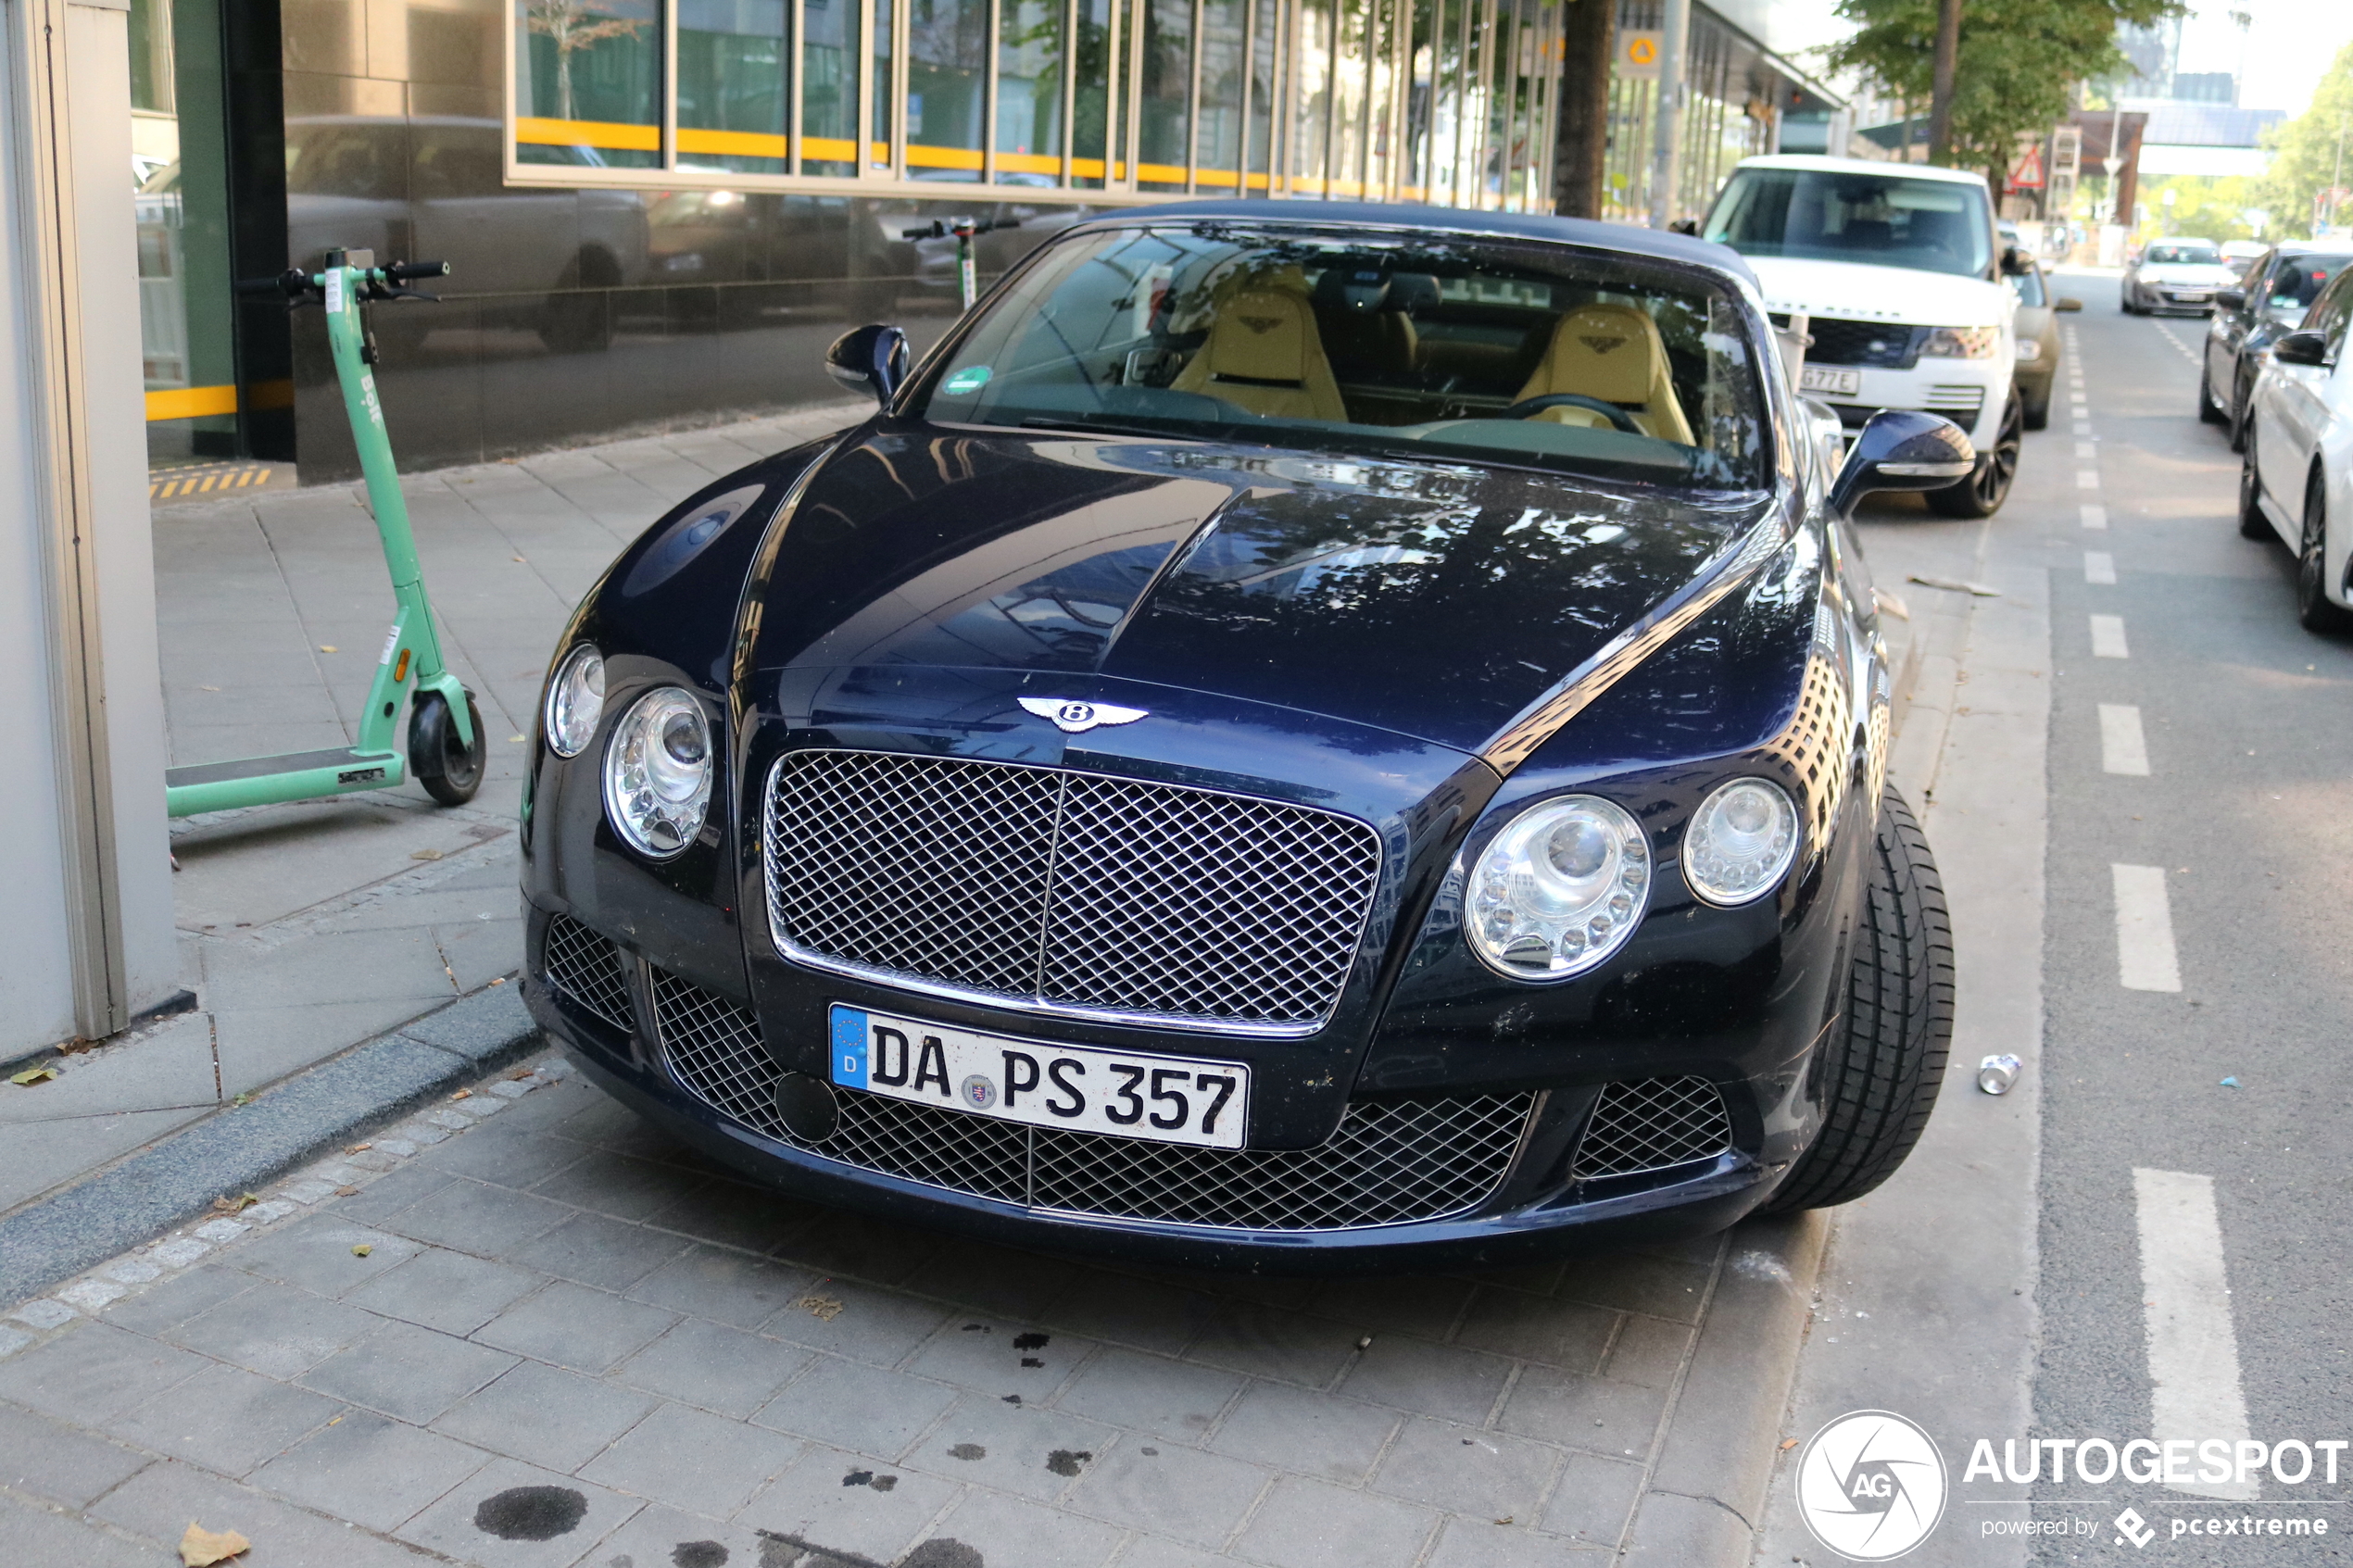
<point>587,968</point>
<point>1653,1123</point>
<point>1390,1161</point>
<point>1067,889</point>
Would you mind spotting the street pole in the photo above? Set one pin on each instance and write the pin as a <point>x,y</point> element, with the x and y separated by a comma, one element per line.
<point>1939,108</point>
<point>1667,141</point>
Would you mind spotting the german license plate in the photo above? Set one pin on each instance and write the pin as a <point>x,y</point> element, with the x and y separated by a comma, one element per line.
<point>1824,378</point>
<point>1122,1094</point>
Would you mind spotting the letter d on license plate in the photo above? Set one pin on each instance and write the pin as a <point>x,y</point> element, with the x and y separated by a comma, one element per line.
<point>1120,1094</point>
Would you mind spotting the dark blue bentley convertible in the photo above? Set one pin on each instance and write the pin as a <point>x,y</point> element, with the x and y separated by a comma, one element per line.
<point>1299,736</point>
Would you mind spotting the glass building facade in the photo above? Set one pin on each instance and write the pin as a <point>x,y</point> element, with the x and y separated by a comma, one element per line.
<point>659,212</point>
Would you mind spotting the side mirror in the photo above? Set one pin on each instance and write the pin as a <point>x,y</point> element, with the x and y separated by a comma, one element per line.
<point>1684,226</point>
<point>2068,303</point>
<point>1902,449</point>
<point>2014,261</point>
<point>869,360</point>
<point>2302,348</point>
<point>2231,299</point>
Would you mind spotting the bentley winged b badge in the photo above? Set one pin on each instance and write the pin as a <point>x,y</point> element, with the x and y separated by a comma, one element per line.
<point>1076,717</point>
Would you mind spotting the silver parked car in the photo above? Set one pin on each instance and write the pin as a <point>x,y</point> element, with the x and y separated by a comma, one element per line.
<point>2176,275</point>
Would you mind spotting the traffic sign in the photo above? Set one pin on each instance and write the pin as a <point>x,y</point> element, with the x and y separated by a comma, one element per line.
<point>2027,173</point>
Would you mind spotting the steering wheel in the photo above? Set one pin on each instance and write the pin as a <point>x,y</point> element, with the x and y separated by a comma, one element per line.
<point>1618,418</point>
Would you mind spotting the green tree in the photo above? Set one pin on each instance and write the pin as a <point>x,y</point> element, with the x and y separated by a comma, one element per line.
<point>2019,61</point>
<point>2305,158</point>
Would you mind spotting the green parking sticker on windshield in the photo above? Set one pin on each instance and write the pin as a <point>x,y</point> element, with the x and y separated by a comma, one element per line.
<point>970,379</point>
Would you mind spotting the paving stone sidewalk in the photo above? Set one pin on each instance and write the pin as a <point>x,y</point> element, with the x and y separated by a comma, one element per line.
<point>307,928</point>
<point>553,1338</point>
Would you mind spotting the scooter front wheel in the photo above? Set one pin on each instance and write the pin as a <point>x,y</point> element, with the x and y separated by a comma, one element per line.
<point>448,767</point>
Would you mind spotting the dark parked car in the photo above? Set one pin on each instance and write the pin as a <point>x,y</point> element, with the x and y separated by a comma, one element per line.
<point>2278,288</point>
<point>1286,742</point>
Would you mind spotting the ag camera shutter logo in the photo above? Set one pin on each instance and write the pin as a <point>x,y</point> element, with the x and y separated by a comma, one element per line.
<point>1871,1486</point>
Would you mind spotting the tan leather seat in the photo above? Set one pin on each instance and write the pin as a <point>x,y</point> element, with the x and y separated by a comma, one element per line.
<point>1613,353</point>
<point>1263,352</point>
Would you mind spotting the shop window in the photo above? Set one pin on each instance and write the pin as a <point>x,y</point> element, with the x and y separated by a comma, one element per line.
<point>588,82</point>
<point>734,87</point>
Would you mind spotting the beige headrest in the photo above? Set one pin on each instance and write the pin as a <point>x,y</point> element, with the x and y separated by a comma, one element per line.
<point>1261,336</point>
<point>1611,351</point>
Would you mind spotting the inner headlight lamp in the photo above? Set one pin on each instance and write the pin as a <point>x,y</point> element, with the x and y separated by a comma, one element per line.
<point>575,701</point>
<point>1559,890</point>
<point>658,772</point>
<point>1962,343</point>
<point>1741,842</point>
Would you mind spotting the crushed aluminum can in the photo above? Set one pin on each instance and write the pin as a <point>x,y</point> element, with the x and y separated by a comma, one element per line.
<point>1996,1074</point>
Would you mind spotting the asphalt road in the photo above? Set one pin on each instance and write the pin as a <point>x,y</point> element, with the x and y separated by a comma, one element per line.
<point>2244,811</point>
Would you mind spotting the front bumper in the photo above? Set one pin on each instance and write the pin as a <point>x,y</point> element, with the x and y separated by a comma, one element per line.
<point>1970,392</point>
<point>651,1043</point>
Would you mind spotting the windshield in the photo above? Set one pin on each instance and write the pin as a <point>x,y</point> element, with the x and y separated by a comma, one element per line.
<point>1442,348</point>
<point>1879,219</point>
<point>2176,254</point>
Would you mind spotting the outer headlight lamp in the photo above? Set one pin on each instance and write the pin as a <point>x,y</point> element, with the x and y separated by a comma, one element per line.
<point>575,701</point>
<point>1963,343</point>
<point>658,772</point>
<point>1559,890</point>
<point>1741,842</point>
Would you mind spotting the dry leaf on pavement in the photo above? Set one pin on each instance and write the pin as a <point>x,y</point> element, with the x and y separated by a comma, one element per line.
<point>825,1307</point>
<point>32,1075</point>
<point>200,1547</point>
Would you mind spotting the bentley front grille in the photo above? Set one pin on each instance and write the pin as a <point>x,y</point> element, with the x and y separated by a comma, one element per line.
<point>1650,1123</point>
<point>1064,890</point>
<point>1390,1162</point>
<point>587,968</point>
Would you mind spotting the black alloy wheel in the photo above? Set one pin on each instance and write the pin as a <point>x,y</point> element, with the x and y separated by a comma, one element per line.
<point>448,767</point>
<point>1878,1072</point>
<point>2253,524</point>
<point>1983,492</point>
<point>2208,412</point>
<point>2314,610</point>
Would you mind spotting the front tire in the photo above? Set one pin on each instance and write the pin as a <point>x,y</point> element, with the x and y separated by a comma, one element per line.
<point>1982,493</point>
<point>1886,1058</point>
<point>2208,412</point>
<point>2253,524</point>
<point>449,770</point>
<point>2314,610</point>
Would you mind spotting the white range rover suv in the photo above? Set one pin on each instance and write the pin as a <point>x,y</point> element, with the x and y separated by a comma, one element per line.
<point>1899,272</point>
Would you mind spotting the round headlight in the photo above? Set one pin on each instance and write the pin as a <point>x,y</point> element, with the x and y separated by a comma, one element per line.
<point>1741,842</point>
<point>658,772</point>
<point>575,701</point>
<point>1560,889</point>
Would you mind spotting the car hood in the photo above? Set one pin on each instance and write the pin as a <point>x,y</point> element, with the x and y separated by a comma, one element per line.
<point>1857,292</point>
<point>2199,273</point>
<point>1435,600</point>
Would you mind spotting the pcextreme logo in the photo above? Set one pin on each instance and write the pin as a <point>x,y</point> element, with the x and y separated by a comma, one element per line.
<point>1871,1486</point>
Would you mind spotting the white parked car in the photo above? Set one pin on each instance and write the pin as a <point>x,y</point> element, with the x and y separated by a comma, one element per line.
<point>2298,478</point>
<point>1900,274</point>
<point>2176,275</point>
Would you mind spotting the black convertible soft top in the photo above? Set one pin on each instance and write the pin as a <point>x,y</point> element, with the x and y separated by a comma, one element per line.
<point>1655,243</point>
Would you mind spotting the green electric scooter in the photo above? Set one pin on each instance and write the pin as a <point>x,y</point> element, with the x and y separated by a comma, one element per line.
<point>445,745</point>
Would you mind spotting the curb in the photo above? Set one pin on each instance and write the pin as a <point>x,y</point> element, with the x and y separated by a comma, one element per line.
<point>241,1147</point>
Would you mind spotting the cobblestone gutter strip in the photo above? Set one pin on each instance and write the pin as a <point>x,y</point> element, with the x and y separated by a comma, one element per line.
<point>242,1147</point>
<point>1706,1498</point>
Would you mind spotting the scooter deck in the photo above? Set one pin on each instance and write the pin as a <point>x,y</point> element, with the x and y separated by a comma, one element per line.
<point>353,766</point>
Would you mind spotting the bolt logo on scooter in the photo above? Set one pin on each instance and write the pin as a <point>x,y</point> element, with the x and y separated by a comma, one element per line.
<point>445,745</point>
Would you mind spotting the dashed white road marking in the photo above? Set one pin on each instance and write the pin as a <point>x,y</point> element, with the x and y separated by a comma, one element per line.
<point>2123,750</point>
<point>2087,450</point>
<point>2099,567</point>
<point>2144,957</point>
<point>2185,1287</point>
<point>2082,428</point>
<point>2095,516</point>
<point>2087,479</point>
<point>2107,637</point>
<point>2180,348</point>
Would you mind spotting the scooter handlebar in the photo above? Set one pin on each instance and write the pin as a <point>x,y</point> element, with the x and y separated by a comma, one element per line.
<point>401,272</point>
<point>292,284</point>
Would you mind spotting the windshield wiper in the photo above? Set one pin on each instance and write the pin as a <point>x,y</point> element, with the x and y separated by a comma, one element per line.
<point>1108,427</point>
